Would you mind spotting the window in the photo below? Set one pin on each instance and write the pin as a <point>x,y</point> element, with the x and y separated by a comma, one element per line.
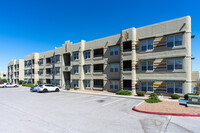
<point>114,85</point>
<point>52,60</point>
<point>174,87</point>
<point>57,58</point>
<point>75,69</point>
<point>57,82</point>
<point>29,63</point>
<point>87,83</point>
<point>29,81</point>
<point>76,56</point>
<point>29,72</point>
<point>174,64</point>
<point>41,61</point>
<point>114,67</point>
<point>41,81</point>
<point>25,72</point>
<point>174,41</point>
<point>87,69</point>
<point>147,65</point>
<point>52,71</point>
<point>146,45</point>
<point>25,63</point>
<point>147,86</point>
<point>87,54</point>
<point>57,70</point>
<point>114,51</point>
<point>41,71</point>
<point>75,83</point>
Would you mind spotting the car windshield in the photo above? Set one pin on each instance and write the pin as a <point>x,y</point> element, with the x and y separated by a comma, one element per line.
<point>40,85</point>
<point>35,86</point>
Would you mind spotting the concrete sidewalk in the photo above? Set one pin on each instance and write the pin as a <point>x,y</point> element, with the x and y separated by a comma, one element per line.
<point>114,95</point>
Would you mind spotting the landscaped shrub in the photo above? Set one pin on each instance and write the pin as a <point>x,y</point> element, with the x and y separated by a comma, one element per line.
<point>28,85</point>
<point>175,96</point>
<point>186,95</point>
<point>124,92</point>
<point>59,86</point>
<point>153,100</point>
<point>67,88</point>
<point>75,88</point>
<point>153,95</point>
<point>21,82</point>
<point>140,93</point>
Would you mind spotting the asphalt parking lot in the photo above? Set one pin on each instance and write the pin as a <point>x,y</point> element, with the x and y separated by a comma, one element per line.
<point>22,111</point>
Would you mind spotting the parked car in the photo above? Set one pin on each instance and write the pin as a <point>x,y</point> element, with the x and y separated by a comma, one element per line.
<point>34,88</point>
<point>9,85</point>
<point>2,85</point>
<point>47,88</point>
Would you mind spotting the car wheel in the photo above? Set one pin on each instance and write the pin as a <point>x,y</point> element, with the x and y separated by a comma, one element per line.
<point>45,90</point>
<point>57,90</point>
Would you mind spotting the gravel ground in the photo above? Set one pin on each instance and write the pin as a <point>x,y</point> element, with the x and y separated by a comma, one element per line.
<point>167,107</point>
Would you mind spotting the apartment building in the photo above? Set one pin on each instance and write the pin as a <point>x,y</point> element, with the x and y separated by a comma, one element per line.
<point>154,58</point>
<point>15,71</point>
<point>3,75</point>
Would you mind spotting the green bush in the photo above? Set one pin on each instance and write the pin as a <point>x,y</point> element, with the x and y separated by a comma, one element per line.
<point>140,93</point>
<point>153,100</point>
<point>21,82</point>
<point>75,88</point>
<point>59,86</point>
<point>153,95</point>
<point>28,85</point>
<point>67,88</point>
<point>124,92</point>
<point>175,96</point>
<point>186,95</point>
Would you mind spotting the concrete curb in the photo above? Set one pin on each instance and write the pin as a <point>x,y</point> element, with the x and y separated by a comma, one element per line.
<point>120,96</point>
<point>161,113</point>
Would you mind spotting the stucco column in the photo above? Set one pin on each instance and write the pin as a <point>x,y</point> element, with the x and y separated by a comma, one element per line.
<point>134,81</point>
<point>81,64</point>
<point>188,61</point>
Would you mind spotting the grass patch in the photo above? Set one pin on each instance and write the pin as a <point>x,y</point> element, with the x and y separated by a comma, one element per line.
<point>27,85</point>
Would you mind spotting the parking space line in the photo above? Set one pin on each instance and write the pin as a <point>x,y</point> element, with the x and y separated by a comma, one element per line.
<point>113,102</point>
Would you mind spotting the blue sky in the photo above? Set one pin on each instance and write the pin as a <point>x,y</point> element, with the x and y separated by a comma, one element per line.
<point>40,25</point>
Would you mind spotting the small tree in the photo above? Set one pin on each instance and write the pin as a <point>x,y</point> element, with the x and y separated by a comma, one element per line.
<point>4,80</point>
<point>21,82</point>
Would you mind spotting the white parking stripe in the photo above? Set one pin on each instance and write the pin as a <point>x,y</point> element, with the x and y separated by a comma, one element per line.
<point>113,102</point>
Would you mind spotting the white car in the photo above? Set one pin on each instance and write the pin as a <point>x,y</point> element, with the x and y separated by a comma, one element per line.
<point>2,85</point>
<point>8,85</point>
<point>47,88</point>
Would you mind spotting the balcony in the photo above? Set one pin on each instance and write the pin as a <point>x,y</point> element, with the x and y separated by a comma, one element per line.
<point>98,53</point>
<point>98,68</point>
<point>127,65</point>
<point>127,46</point>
